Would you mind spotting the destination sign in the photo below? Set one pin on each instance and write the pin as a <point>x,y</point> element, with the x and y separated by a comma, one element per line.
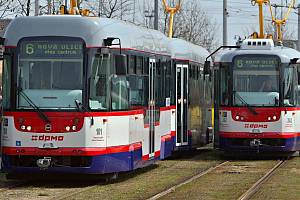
<point>51,49</point>
<point>256,62</point>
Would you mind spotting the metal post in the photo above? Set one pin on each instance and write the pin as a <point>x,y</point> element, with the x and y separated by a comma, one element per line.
<point>275,27</point>
<point>133,16</point>
<point>156,14</point>
<point>37,8</point>
<point>298,43</point>
<point>225,13</point>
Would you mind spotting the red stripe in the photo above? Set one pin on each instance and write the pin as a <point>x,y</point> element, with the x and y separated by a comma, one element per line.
<point>156,154</point>
<point>167,108</point>
<point>128,49</point>
<point>166,138</point>
<point>70,151</point>
<point>260,108</point>
<point>10,46</point>
<point>173,133</point>
<point>261,135</point>
<point>86,114</point>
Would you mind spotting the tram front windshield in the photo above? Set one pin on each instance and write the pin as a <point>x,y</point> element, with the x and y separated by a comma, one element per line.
<point>256,81</point>
<point>50,73</point>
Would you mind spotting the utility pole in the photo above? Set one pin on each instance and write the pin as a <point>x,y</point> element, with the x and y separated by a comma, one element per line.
<point>156,14</point>
<point>37,7</point>
<point>150,15</point>
<point>275,27</point>
<point>225,15</point>
<point>298,42</point>
<point>133,15</point>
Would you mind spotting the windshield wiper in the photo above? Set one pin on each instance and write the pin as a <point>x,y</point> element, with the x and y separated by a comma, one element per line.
<point>245,103</point>
<point>81,108</point>
<point>42,115</point>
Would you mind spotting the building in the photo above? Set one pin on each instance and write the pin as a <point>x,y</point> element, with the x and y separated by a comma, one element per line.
<point>3,24</point>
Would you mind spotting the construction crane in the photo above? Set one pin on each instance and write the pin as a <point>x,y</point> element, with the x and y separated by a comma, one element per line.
<point>172,11</point>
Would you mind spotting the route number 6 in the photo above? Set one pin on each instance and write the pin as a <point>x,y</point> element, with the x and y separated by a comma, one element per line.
<point>29,49</point>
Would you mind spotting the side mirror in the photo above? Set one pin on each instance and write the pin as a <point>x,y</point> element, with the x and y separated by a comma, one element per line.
<point>207,68</point>
<point>120,64</point>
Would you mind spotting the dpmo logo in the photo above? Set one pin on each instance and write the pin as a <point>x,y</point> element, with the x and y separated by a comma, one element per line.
<point>47,138</point>
<point>256,126</point>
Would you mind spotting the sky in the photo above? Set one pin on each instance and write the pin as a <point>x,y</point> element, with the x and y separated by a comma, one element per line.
<point>243,16</point>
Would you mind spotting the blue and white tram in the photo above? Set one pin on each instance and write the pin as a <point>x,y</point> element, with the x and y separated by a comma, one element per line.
<point>86,95</point>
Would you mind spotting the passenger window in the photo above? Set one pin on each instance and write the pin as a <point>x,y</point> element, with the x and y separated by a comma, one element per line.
<point>136,93</point>
<point>131,65</point>
<point>6,80</point>
<point>119,93</point>
<point>139,65</point>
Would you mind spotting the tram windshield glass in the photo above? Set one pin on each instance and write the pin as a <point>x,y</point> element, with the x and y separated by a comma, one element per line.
<point>256,81</point>
<point>99,83</point>
<point>50,73</point>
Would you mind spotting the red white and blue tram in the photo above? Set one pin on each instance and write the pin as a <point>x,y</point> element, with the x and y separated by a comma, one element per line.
<point>257,98</point>
<point>92,95</point>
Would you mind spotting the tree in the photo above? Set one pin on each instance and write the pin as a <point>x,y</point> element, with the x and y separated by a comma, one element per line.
<point>193,24</point>
<point>110,8</point>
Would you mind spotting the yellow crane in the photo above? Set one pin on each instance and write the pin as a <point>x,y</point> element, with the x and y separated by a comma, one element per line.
<point>172,11</point>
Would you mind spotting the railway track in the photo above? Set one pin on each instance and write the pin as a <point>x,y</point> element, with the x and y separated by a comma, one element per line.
<point>245,196</point>
<point>163,193</point>
<point>256,186</point>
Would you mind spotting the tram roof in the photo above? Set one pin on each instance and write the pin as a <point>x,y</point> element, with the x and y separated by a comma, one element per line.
<point>91,29</point>
<point>285,54</point>
<point>182,49</point>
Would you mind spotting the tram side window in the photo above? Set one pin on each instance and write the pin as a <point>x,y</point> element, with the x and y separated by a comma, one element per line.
<point>139,65</point>
<point>131,65</point>
<point>224,86</point>
<point>289,91</point>
<point>6,80</point>
<point>146,66</point>
<point>136,92</point>
<point>119,93</point>
<point>98,99</point>
<point>167,84</point>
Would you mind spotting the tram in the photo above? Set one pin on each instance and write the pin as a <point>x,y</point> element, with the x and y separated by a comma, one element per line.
<point>257,98</point>
<point>194,95</point>
<point>91,95</point>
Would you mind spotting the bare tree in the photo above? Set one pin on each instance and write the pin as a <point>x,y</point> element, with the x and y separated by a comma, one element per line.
<point>111,8</point>
<point>269,29</point>
<point>193,24</point>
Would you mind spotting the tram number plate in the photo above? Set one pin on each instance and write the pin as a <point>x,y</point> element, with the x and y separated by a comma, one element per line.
<point>256,131</point>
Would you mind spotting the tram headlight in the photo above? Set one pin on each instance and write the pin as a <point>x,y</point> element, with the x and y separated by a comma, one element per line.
<point>68,128</point>
<point>237,117</point>
<point>28,128</point>
<point>73,128</point>
<point>23,127</point>
<point>274,117</point>
<point>269,118</point>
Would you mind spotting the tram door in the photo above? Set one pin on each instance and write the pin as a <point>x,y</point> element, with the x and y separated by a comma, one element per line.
<point>151,112</point>
<point>181,104</point>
